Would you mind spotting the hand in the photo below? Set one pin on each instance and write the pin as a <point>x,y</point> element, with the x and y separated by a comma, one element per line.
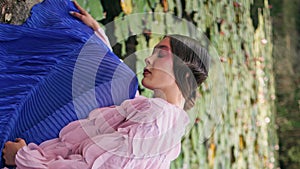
<point>10,150</point>
<point>85,17</point>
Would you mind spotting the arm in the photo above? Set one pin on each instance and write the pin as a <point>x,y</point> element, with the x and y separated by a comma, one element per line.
<point>10,150</point>
<point>115,134</point>
<point>87,19</point>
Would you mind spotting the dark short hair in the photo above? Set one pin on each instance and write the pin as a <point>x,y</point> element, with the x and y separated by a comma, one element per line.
<point>191,65</point>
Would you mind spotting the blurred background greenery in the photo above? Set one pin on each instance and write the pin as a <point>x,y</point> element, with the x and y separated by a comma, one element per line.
<point>258,47</point>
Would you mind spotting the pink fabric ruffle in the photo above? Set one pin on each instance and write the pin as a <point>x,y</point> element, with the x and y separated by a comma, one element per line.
<point>140,133</point>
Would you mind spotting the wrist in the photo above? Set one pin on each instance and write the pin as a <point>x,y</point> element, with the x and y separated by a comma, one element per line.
<point>95,26</point>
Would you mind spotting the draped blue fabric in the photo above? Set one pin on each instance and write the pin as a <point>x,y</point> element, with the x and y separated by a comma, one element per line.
<point>54,70</point>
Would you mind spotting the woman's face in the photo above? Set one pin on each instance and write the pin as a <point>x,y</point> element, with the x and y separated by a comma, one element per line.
<point>158,73</point>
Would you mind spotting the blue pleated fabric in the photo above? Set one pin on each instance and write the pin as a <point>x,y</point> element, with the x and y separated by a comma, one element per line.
<point>54,70</point>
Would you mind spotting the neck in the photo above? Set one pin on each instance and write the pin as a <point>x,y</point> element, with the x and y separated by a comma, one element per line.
<point>172,95</point>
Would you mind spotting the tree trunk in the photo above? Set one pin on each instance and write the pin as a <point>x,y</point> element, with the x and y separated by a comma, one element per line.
<point>15,11</point>
<point>286,25</point>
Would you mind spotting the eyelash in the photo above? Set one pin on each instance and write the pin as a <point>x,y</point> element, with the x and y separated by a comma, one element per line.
<point>160,55</point>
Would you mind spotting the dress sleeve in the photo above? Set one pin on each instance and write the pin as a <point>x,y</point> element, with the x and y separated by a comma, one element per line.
<point>149,136</point>
<point>101,34</point>
<point>153,126</point>
<point>34,157</point>
<point>67,150</point>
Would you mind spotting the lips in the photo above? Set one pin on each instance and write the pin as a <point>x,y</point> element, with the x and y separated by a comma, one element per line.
<point>146,72</point>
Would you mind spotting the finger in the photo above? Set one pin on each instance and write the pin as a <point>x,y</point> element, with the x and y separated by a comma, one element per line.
<point>76,14</point>
<point>7,143</point>
<point>79,8</point>
<point>20,140</point>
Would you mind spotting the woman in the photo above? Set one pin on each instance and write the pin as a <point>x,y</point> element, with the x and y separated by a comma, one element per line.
<point>141,132</point>
<point>54,69</point>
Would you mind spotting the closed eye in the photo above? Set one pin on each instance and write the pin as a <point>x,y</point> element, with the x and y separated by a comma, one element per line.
<point>162,54</point>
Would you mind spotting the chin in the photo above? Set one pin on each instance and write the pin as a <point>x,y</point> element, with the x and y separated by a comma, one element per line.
<point>146,85</point>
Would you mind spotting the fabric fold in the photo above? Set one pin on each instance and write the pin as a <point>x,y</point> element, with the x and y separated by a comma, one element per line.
<point>110,138</point>
<point>38,61</point>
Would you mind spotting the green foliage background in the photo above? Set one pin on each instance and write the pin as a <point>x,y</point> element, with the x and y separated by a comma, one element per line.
<point>241,33</point>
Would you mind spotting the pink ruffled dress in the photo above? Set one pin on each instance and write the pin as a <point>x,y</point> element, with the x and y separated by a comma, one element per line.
<point>140,133</point>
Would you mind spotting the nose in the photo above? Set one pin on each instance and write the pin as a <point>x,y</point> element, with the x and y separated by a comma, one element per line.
<point>147,60</point>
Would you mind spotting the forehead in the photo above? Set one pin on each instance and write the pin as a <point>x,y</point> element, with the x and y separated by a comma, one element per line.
<point>164,44</point>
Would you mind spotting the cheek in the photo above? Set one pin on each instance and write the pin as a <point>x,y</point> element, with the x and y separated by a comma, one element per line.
<point>165,74</point>
<point>166,66</point>
<point>163,78</point>
<point>158,80</point>
<point>162,74</point>
<point>169,72</point>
